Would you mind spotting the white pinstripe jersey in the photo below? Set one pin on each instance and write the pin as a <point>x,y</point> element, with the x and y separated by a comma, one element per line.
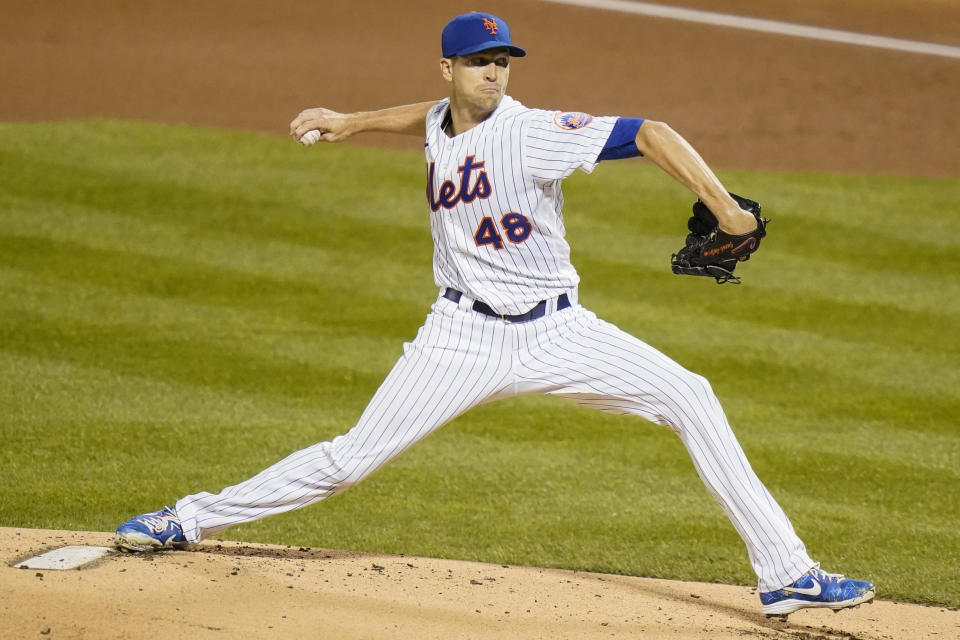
<point>496,205</point>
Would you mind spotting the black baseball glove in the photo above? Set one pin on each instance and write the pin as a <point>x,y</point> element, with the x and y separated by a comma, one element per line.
<point>709,251</point>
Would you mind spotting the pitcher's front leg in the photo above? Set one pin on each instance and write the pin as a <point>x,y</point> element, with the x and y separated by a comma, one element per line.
<point>456,362</point>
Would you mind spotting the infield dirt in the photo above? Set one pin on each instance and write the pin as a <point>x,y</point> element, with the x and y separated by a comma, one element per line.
<point>238,590</point>
<point>745,100</point>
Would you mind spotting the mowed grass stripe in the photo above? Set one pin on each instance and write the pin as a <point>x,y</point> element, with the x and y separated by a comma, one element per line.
<point>137,400</point>
<point>137,274</point>
<point>280,337</point>
<point>181,307</point>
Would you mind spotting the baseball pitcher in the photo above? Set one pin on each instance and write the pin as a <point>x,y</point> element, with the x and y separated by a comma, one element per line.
<point>507,321</point>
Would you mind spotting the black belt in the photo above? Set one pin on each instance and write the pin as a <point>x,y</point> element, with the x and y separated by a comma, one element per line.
<point>563,302</point>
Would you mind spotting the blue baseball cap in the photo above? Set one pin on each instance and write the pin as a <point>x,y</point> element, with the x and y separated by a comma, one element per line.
<point>476,31</point>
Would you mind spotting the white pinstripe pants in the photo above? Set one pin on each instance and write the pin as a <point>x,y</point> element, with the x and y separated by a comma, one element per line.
<point>461,358</point>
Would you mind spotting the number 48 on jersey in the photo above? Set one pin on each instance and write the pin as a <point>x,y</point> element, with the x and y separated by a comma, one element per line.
<point>515,227</point>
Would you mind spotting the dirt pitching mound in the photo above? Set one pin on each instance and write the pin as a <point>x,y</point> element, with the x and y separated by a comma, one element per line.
<point>240,590</point>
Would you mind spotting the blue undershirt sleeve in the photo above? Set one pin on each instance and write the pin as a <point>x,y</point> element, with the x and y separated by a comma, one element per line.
<point>622,141</point>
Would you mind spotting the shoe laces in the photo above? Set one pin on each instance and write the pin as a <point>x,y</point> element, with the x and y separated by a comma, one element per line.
<point>820,573</point>
<point>159,521</point>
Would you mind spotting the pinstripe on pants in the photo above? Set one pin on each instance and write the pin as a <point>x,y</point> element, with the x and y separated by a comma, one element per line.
<point>461,358</point>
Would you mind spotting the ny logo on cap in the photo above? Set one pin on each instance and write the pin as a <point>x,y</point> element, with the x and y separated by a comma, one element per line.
<point>491,25</point>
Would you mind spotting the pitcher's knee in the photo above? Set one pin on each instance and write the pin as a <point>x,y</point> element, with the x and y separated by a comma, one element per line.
<point>693,404</point>
<point>347,466</point>
<point>702,387</point>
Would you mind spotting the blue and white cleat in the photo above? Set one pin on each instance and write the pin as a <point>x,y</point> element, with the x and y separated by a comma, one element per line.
<point>817,588</point>
<point>151,531</point>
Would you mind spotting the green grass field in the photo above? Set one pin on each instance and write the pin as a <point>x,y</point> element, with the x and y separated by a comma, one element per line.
<point>181,307</point>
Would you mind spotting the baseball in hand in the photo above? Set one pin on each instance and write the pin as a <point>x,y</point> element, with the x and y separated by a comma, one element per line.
<point>310,137</point>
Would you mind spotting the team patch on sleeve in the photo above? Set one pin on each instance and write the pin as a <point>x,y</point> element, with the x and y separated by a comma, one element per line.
<point>571,120</point>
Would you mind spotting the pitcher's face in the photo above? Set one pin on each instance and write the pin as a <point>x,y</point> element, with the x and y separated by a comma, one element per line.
<point>478,79</point>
